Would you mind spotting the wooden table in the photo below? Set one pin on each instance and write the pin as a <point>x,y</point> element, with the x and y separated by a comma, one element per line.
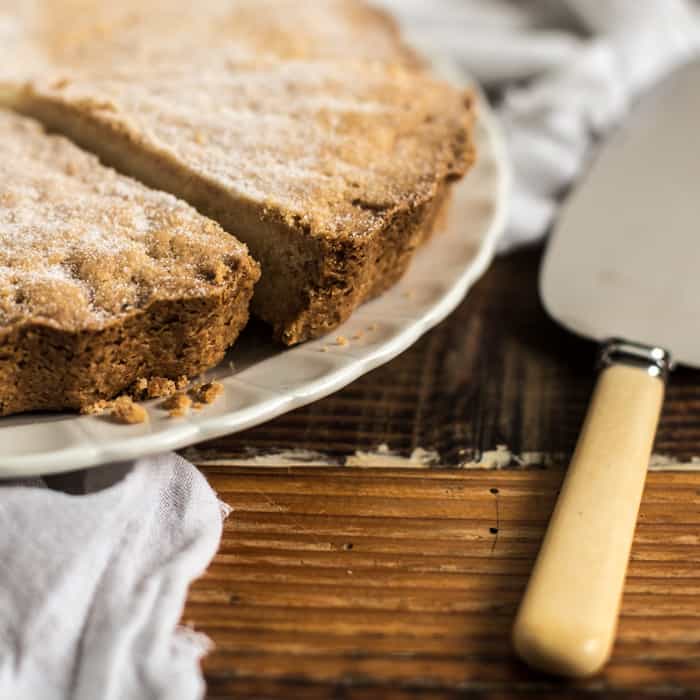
<point>375,550</point>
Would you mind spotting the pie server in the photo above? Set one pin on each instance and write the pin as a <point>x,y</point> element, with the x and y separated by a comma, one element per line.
<point>622,268</point>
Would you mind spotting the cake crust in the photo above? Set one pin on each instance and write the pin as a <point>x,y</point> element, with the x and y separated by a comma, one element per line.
<point>103,280</point>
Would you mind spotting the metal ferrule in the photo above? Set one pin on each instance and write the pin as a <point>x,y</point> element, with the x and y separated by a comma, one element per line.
<point>655,360</point>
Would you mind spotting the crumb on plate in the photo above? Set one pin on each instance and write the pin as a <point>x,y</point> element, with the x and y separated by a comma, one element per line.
<point>97,408</point>
<point>177,405</point>
<point>153,387</point>
<point>205,393</point>
<point>159,387</point>
<point>124,410</point>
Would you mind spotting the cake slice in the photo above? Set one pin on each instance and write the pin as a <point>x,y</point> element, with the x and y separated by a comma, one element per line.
<point>103,280</point>
<point>332,172</point>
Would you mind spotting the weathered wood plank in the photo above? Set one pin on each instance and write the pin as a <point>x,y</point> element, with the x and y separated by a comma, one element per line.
<point>397,583</point>
<point>397,580</point>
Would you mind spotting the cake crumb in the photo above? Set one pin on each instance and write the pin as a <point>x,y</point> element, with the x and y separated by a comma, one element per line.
<point>205,393</point>
<point>159,387</point>
<point>323,348</point>
<point>341,340</point>
<point>152,388</point>
<point>200,138</point>
<point>372,327</point>
<point>181,382</point>
<point>197,406</point>
<point>358,335</point>
<point>97,408</point>
<point>124,410</point>
<point>177,405</point>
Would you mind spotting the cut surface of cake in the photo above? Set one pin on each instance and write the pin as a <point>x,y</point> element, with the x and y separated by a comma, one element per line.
<point>103,280</point>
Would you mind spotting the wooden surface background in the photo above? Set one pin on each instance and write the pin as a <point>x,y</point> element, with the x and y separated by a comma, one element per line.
<point>351,570</point>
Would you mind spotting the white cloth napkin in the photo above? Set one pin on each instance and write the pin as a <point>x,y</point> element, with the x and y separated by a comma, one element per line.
<point>568,71</point>
<point>92,586</point>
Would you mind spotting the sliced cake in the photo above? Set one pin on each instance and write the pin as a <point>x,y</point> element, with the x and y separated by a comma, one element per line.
<point>103,280</point>
<point>308,129</point>
<point>332,172</point>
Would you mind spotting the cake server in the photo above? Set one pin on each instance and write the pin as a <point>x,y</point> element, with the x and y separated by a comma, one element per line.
<point>622,268</point>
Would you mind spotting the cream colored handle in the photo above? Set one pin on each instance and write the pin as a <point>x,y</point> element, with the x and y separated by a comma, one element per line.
<point>568,617</point>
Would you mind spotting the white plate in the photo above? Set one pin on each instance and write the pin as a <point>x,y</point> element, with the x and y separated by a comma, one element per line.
<point>267,380</point>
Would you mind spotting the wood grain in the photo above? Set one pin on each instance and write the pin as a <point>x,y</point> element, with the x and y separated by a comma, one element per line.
<point>340,578</point>
<point>397,584</point>
<point>497,371</point>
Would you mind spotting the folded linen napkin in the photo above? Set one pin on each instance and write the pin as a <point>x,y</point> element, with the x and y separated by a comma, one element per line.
<point>568,72</point>
<point>92,586</point>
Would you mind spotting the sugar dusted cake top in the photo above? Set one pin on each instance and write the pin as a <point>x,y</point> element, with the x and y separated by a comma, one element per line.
<point>81,245</point>
<point>334,145</point>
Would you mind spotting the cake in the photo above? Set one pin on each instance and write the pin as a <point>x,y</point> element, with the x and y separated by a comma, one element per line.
<point>103,280</point>
<point>332,172</point>
<point>308,131</point>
